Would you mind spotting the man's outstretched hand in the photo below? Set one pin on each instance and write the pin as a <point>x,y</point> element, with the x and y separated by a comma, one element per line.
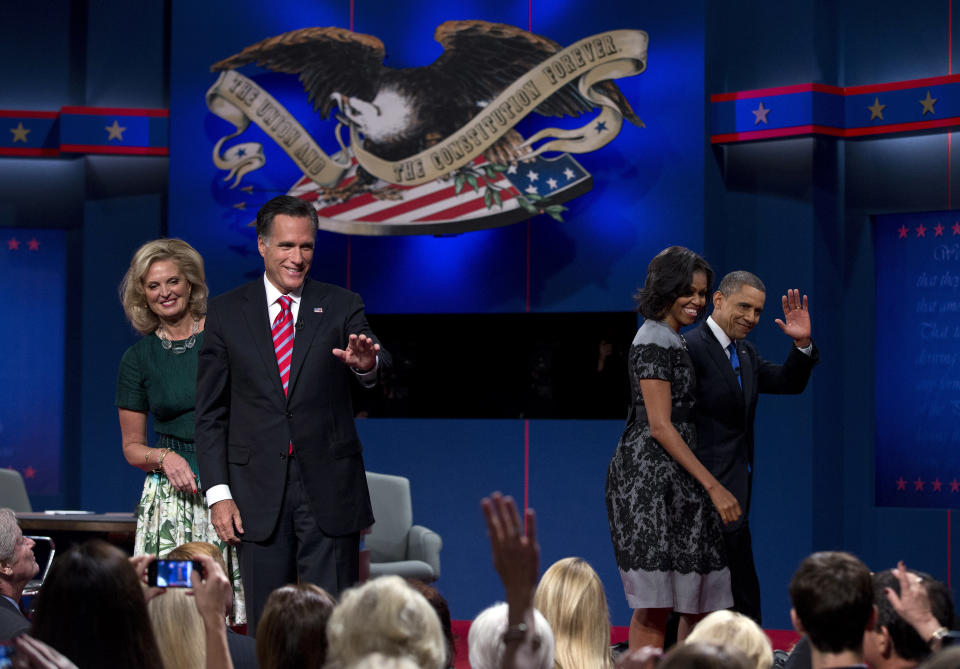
<point>360,354</point>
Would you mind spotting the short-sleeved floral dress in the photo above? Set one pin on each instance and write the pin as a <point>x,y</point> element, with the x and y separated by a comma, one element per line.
<point>667,535</point>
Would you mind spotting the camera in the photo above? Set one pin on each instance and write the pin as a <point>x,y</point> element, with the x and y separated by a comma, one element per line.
<point>172,573</point>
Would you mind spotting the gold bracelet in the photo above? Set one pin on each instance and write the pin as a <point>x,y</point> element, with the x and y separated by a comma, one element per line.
<point>146,459</point>
<point>160,461</point>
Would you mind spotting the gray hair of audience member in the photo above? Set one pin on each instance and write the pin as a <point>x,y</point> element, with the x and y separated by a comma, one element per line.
<point>948,658</point>
<point>178,628</point>
<point>8,535</point>
<point>906,642</point>
<point>381,661</point>
<point>385,616</point>
<point>733,281</point>
<point>704,656</point>
<point>486,644</point>
<point>730,629</point>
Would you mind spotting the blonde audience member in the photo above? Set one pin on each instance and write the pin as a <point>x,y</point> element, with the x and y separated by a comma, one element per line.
<point>292,632</point>
<point>735,630</point>
<point>178,628</point>
<point>385,616</point>
<point>570,596</point>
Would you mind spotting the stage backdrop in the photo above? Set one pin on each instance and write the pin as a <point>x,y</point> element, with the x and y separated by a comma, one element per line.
<point>32,270</point>
<point>918,359</point>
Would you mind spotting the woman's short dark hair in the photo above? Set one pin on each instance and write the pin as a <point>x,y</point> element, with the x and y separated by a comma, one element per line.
<point>91,608</point>
<point>669,276</point>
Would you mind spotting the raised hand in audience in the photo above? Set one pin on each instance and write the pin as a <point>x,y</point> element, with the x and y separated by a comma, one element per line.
<point>516,557</point>
<point>913,605</point>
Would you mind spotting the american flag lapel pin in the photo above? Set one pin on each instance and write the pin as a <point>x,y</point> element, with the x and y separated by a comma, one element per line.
<point>318,310</point>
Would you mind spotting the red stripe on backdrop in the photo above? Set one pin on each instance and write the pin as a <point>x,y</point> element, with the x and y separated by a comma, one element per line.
<point>466,208</point>
<point>29,152</point>
<point>114,111</point>
<point>12,113</point>
<point>127,150</point>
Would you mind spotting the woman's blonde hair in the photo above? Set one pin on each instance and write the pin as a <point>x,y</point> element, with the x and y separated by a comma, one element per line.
<point>178,628</point>
<point>730,629</point>
<point>385,616</point>
<point>570,596</point>
<point>132,295</point>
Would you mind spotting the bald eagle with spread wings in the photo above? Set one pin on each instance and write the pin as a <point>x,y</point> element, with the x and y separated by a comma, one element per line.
<point>400,112</point>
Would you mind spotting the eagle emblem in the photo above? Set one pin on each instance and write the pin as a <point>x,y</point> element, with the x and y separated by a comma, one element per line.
<point>433,148</point>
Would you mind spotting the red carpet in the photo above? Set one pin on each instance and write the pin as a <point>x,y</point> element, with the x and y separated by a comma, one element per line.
<point>783,639</point>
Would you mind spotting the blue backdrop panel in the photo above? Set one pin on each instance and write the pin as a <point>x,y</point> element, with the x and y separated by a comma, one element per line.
<point>568,470</point>
<point>918,359</point>
<point>32,269</point>
<point>451,465</point>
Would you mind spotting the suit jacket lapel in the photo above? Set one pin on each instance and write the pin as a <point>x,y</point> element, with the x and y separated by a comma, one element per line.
<point>720,359</point>
<point>257,316</point>
<point>308,324</point>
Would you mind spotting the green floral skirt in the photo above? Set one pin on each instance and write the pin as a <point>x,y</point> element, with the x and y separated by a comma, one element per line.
<point>167,518</point>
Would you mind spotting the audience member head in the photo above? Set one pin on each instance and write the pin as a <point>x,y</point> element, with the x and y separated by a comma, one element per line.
<point>486,644</point>
<point>669,277</point>
<point>570,596</point>
<point>704,656</point>
<point>17,562</point>
<point>893,641</point>
<point>832,597</point>
<point>133,293</point>
<point>385,616</point>
<point>178,629</point>
<point>192,549</point>
<point>292,631</point>
<point>439,605</point>
<point>381,661</point>
<point>91,608</point>
<point>735,630</point>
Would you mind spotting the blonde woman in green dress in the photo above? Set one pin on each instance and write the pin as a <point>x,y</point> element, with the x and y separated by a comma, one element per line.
<point>164,295</point>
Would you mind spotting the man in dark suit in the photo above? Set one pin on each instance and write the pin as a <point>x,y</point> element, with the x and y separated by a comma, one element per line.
<point>17,566</point>
<point>730,375</point>
<point>277,448</point>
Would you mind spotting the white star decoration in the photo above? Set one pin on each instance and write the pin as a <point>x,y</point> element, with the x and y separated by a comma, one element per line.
<point>552,183</point>
<point>569,174</point>
<point>512,169</point>
<point>533,176</point>
<point>114,131</point>
<point>532,190</point>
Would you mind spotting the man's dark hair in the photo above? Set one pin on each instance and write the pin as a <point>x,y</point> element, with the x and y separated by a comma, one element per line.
<point>284,204</point>
<point>906,641</point>
<point>669,276</point>
<point>733,281</point>
<point>832,594</point>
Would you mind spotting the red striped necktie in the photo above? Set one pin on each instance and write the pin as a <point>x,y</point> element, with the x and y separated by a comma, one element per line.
<point>283,339</point>
<point>283,344</point>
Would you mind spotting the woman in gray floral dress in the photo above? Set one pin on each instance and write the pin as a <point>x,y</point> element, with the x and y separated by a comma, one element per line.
<point>665,508</point>
<point>165,297</point>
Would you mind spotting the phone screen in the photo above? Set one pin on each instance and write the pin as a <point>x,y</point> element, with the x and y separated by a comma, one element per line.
<point>172,573</point>
<point>6,654</point>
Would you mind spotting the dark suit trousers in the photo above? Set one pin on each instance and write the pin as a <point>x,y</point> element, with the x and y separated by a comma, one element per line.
<point>297,551</point>
<point>743,572</point>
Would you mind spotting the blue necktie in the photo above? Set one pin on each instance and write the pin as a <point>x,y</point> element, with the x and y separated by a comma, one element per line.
<point>735,361</point>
